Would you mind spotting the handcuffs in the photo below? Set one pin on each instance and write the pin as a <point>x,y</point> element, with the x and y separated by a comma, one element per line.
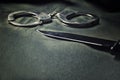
<point>43,18</point>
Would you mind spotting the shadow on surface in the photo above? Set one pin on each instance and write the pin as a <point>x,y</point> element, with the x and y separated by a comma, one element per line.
<point>104,49</point>
<point>39,2</point>
<point>106,5</point>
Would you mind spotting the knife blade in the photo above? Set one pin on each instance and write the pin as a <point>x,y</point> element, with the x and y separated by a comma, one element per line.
<point>109,45</point>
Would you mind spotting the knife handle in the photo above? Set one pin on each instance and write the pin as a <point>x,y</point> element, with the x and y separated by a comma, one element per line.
<point>115,49</point>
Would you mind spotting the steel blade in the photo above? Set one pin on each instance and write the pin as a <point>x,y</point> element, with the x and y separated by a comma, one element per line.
<point>78,38</point>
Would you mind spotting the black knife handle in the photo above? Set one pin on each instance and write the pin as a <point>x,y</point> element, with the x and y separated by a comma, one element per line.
<point>115,49</point>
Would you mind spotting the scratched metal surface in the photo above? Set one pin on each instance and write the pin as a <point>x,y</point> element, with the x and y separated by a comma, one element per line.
<point>26,54</point>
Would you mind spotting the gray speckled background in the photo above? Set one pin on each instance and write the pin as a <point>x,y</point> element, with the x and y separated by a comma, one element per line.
<point>28,55</point>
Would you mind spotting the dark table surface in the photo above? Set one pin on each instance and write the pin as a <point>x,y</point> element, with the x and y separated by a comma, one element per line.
<point>26,54</point>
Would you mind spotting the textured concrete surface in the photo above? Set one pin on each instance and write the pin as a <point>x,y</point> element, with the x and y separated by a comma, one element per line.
<point>26,54</point>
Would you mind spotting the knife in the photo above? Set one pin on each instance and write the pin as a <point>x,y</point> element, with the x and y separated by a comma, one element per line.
<point>102,44</point>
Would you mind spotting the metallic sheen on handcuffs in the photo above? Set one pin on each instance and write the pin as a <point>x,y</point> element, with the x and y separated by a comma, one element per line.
<point>63,16</point>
